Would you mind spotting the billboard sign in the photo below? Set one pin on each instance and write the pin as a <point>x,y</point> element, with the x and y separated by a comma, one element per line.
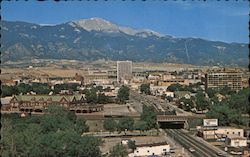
<point>210,122</point>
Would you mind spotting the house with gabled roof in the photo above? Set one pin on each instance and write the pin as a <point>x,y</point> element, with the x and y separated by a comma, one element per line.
<point>39,103</point>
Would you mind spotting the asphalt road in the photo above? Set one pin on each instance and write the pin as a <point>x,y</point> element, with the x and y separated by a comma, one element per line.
<point>159,104</point>
<point>187,141</point>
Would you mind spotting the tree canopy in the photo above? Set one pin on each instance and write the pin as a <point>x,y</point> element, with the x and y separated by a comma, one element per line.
<point>148,115</point>
<point>145,88</point>
<point>110,125</point>
<point>57,133</point>
<point>225,114</point>
<point>118,150</point>
<point>123,94</point>
<point>125,123</point>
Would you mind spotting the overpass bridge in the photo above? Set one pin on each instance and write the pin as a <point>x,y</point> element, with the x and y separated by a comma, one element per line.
<point>176,121</point>
<point>178,118</point>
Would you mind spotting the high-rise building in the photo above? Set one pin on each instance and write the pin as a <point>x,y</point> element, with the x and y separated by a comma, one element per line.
<point>220,79</point>
<point>124,71</point>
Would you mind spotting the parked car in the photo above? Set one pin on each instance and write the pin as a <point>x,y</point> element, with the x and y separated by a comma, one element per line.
<point>191,150</point>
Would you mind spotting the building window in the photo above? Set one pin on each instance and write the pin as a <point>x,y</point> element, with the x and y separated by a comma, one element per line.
<point>164,150</point>
<point>148,151</point>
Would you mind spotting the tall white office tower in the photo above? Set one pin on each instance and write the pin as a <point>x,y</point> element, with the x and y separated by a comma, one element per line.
<point>124,71</point>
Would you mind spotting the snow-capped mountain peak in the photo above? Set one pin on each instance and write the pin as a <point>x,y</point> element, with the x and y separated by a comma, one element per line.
<point>99,24</point>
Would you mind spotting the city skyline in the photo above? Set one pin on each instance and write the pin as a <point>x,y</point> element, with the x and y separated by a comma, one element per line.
<point>226,22</point>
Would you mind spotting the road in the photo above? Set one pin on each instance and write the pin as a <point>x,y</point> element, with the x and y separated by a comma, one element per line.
<point>159,104</point>
<point>187,141</point>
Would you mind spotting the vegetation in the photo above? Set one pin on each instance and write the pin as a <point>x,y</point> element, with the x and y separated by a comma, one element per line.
<point>148,115</point>
<point>240,101</point>
<point>110,125</point>
<point>193,88</point>
<point>59,87</point>
<point>202,103</point>
<point>175,87</point>
<point>39,88</point>
<point>118,150</point>
<point>103,99</point>
<point>186,104</point>
<point>225,114</point>
<point>57,133</point>
<point>91,96</point>
<point>141,125</point>
<point>145,88</point>
<point>123,94</point>
<point>131,144</point>
<point>125,123</point>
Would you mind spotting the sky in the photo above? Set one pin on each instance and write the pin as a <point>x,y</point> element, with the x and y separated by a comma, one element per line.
<point>213,20</point>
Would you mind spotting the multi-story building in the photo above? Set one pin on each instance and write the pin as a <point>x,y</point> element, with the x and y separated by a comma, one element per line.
<point>220,79</point>
<point>124,71</point>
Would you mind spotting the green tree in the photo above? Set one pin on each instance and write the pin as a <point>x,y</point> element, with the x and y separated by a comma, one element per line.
<point>99,88</point>
<point>52,134</point>
<point>149,116</point>
<point>169,98</point>
<point>175,87</point>
<point>211,92</point>
<point>123,94</point>
<point>186,104</point>
<point>40,88</point>
<point>202,103</point>
<point>131,144</point>
<point>141,125</point>
<point>125,123</point>
<point>110,125</point>
<point>9,90</point>
<point>81,126</point>
<point>224,114</point>
<point>240,101</point>
<point>102,98</point>
<point>24,88</point>
<point>91,96</point>
<point>118,151</point>
<point>145,88</point>
<point>226,91</point>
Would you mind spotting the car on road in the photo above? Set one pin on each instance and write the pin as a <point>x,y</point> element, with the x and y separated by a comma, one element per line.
<point>235,153</point>
<point>221,154</point>
<point>191,150</point>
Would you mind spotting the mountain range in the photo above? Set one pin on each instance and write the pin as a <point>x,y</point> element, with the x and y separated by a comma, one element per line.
<point>96,38</point>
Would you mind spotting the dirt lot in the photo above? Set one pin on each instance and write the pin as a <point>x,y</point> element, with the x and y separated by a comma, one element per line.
<point>118,109</point>
<point>8,73</point>
<point>110,142</point>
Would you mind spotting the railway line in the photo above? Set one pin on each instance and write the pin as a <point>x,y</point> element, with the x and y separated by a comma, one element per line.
<point>198,148</point>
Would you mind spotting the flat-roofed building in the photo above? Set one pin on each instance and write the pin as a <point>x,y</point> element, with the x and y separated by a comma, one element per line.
<point>124,71</point>
<point>151,149</point>
<point>236,141</point>
<point>220,79</point>
<point>220,132</point>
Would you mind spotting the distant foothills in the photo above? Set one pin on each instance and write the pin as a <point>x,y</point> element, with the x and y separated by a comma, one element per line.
<point>96,38</point>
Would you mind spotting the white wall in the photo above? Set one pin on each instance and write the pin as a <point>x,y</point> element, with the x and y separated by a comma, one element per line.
<point>238,143</point>
<point>154,150</point>
<point>210,134</point>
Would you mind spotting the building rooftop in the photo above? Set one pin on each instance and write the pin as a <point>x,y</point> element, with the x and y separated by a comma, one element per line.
<point>152,144</point>
<point>49,97</point>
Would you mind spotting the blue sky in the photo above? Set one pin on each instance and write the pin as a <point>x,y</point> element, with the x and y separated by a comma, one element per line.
<point>213,20</point>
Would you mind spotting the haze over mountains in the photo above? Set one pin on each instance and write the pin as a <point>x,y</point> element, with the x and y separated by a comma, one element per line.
<point>96,38</point>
